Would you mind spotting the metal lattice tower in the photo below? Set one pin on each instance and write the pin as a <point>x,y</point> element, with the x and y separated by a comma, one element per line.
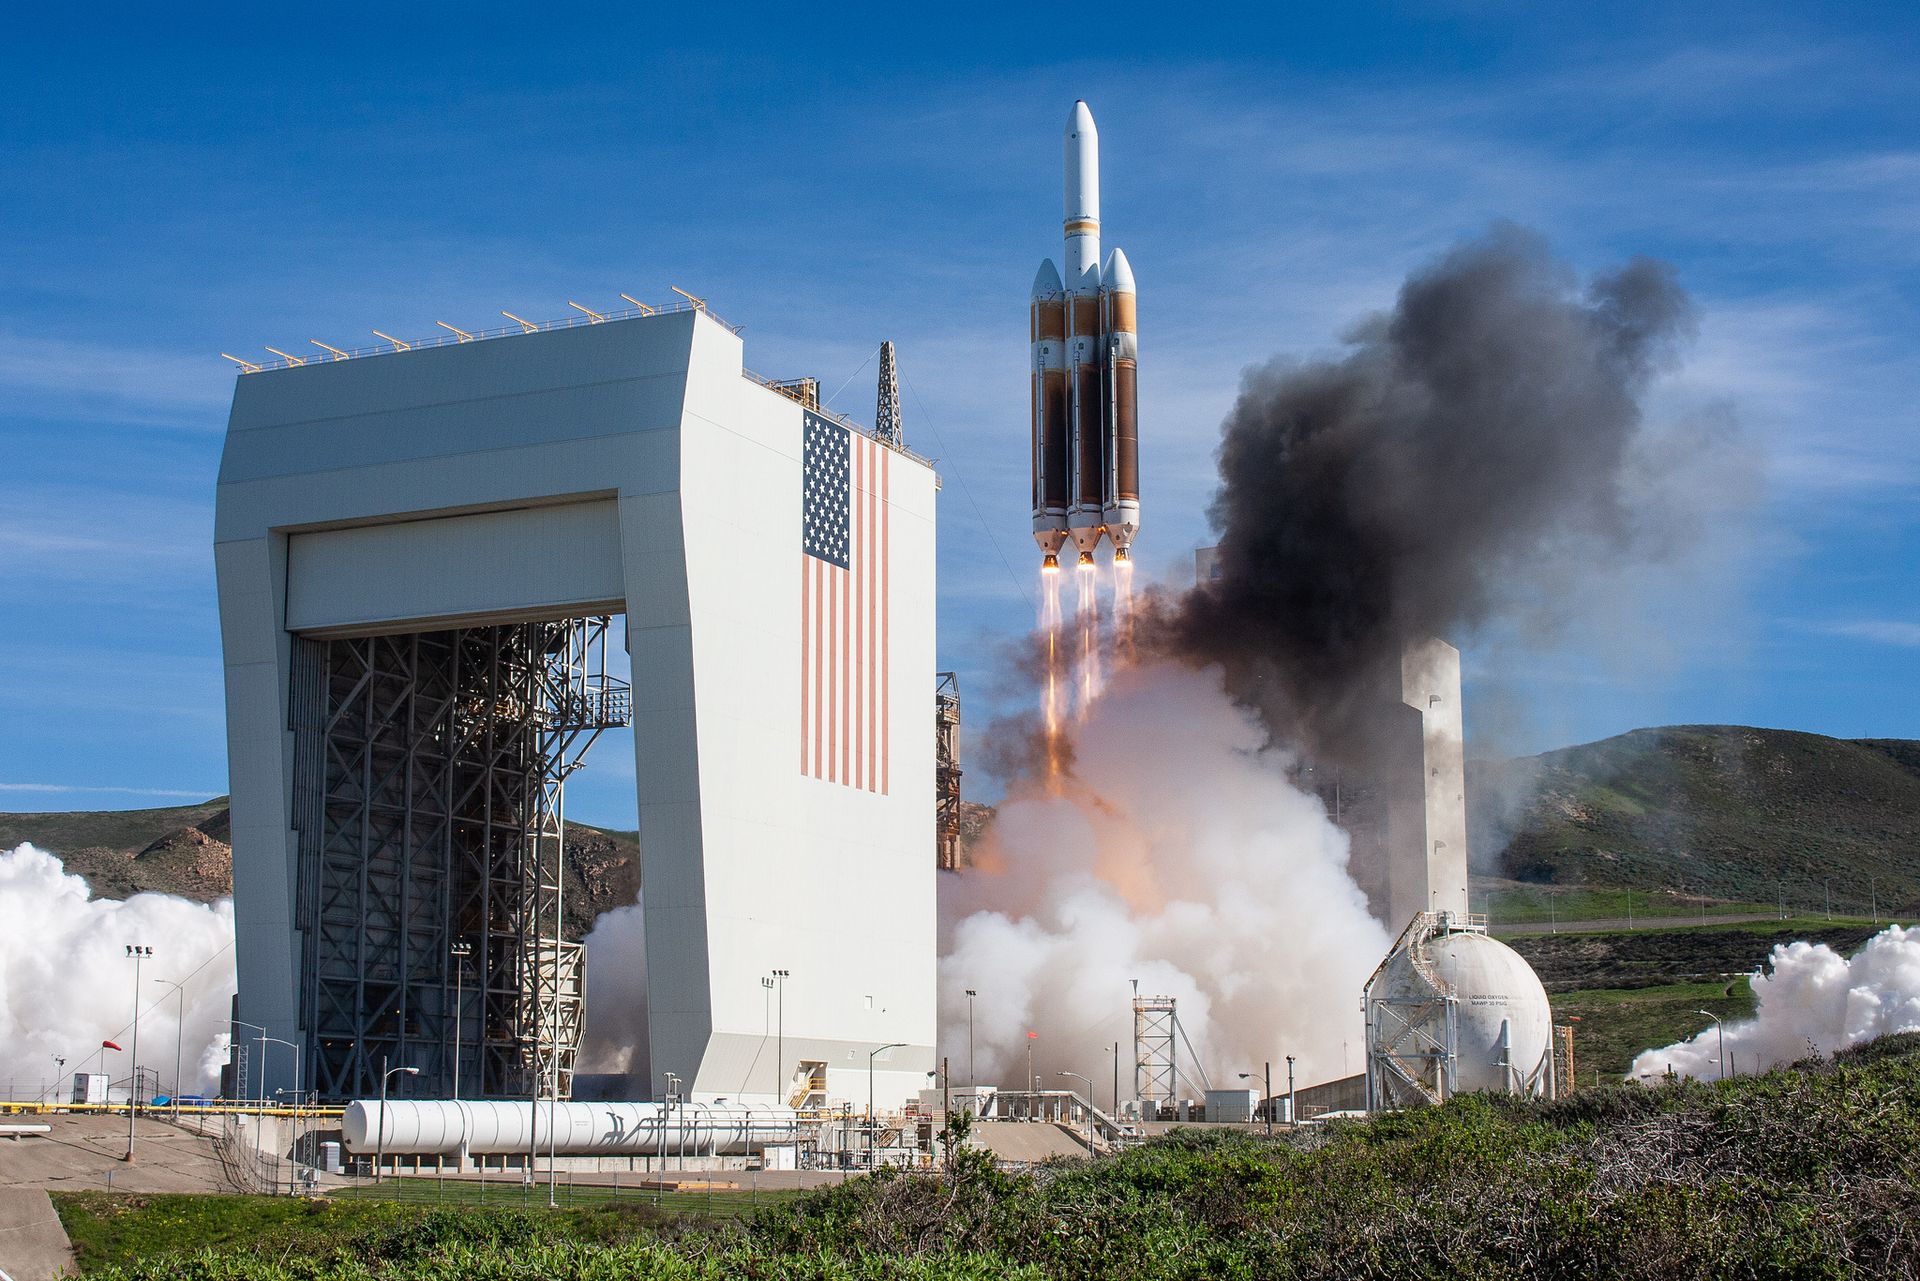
<point>946,767</point>
<point>886,414</point>
<point>429,804</point>
<point>1156,1025</point>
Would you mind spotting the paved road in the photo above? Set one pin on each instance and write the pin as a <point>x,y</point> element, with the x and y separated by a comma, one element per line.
<point>1617,924</point>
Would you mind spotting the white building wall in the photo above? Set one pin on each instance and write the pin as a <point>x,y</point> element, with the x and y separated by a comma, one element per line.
<point>415,491</point>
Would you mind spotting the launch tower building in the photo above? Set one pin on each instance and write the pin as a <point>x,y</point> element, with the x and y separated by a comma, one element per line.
<point>419,551</point>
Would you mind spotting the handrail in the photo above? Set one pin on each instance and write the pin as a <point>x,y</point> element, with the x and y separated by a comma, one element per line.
<point>455,337</point>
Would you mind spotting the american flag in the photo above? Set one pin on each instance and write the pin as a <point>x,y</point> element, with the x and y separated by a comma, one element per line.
<point>843,616</point>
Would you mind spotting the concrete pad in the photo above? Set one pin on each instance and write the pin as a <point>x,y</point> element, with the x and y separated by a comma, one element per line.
<point>33,1245</point>
<point>84,1150</point>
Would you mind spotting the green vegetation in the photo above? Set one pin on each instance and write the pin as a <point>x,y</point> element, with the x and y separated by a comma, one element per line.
<point>1805,1172</point>
<point>511,1194</point>
<point>1510,904</point>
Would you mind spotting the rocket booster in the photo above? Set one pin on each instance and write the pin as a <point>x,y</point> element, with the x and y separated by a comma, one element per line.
<point>1086,459</point>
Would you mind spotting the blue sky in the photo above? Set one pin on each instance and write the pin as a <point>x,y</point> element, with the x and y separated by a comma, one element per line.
<point>220,181</point>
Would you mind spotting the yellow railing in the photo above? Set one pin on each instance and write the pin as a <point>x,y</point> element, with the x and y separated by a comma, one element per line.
<point>26,1108</point>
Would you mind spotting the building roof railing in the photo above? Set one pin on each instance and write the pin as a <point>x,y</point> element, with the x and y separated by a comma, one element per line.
<point>326,354</point>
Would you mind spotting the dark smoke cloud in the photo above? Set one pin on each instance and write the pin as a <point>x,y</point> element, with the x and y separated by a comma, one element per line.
<point>1473,451</point>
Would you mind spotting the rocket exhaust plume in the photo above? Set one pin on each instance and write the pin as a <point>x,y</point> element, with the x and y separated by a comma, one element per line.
<point>1476,454</point>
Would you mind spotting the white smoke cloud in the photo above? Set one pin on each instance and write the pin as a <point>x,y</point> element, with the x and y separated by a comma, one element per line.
<point>614,1035</point>
<point>1177,854</point>
<point>1811,999</point>
<point>66,983</point>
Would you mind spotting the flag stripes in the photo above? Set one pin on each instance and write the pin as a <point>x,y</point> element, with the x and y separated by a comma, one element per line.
<point>844,581</point>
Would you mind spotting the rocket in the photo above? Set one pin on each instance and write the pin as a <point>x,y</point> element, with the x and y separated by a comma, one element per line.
<point>1086,439</point>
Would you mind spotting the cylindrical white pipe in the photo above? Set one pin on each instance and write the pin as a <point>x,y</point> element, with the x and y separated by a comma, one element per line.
<point>578,1129</point>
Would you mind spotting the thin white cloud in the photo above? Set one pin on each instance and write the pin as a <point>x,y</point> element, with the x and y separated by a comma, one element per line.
<point>1880,631</point>
<point>56,378</point>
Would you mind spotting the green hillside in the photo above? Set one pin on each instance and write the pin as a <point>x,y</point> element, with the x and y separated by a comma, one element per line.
<point>1724,812</point>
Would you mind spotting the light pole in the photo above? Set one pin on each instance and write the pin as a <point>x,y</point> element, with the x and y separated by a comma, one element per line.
<point>179,1029</point>
<point>973,1079</point>
<point>380,1139</point>
<point>291,1189</point>
<point>460,951</point>
<point>1722,1034</point>
<point>138,954</point>
<point>261,1082</point>
<point>59,1070</point>
<point>780,978</point>
<point>1293,1117</point>
<point>1266,1098</point>
<point>871,1056</point>
<point>1076,1076</point>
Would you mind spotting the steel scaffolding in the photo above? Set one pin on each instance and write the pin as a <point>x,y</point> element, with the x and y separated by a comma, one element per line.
<point>1156,1025</point>
<point>946,767</point>
<point>430,810</point>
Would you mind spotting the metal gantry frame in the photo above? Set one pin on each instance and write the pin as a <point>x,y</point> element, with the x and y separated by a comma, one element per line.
<point>887,428</point>
<point>946,769</point>
<point>1156,1028</point>
<point>429,806</point>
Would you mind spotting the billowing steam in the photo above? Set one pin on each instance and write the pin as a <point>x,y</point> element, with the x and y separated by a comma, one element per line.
<point>1479,453</point>
<point>1812,1001</point>
<point>1178,854</point>
<point>66,983</point>
<point>613,1038</point>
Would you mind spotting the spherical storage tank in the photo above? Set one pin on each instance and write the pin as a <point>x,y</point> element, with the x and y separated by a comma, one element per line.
<point>1453,1009</point>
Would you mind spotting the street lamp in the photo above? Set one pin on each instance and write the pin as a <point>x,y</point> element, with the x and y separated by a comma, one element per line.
<point>179,1028</point>
<point>871,1056</point>
<point>1722,1034</point>
<point>291,1187</point>
<point>380,1141</point>
<point>262,1038</point>
<point>780,978</point>
<point>137,954</point>
<point>972,1078</point>
<point>1266,1098</point>
<point>460,951</point>
<point>1076,1076</point>
<point>1293,1113</point>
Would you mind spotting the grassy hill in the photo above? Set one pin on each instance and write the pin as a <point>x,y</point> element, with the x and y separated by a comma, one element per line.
<point>184,850</point>
<point>1723,812</point>
<point>1807,1171</point>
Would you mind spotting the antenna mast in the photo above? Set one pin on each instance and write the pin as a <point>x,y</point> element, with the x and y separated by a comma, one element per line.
<point>886,416</point>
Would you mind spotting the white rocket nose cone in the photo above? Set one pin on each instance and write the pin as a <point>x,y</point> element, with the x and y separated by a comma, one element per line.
<point>1118,275</point>
<point>1046,281</point>
<point>1082,154</point>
